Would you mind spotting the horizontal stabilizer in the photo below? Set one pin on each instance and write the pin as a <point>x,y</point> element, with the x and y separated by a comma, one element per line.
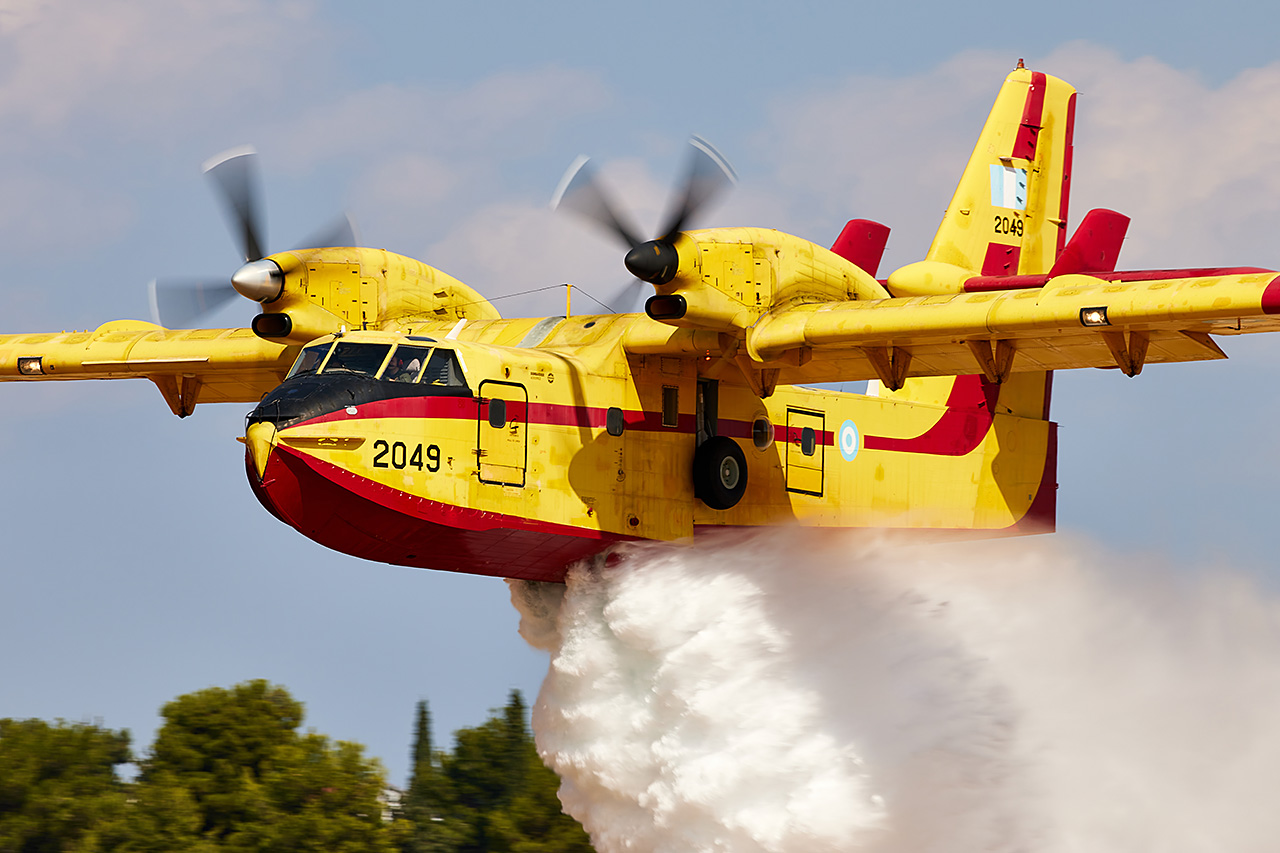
<point>862,243</point>
<point>1095,247</point>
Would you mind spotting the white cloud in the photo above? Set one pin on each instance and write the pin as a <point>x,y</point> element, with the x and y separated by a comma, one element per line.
<point>1197,168</point>
<point>876,148</point>
<point>94,95</point>
<point>518,254</point>
<point>507,114</point>
<point>140,67</point>
<point>428,158</point>
<point>510,247</point>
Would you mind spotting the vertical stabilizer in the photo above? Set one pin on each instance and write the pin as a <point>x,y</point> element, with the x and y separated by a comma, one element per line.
<point>1008,217</point>
<point>1009,214</point>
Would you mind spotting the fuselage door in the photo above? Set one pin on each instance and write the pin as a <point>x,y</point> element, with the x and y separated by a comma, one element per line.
<point>502,437</point>
<point>804,451</point>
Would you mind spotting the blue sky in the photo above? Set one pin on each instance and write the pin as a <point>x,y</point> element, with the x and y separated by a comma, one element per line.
<point>138,566</point>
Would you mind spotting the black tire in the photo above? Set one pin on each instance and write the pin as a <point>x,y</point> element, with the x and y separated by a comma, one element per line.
<point>719,472</point>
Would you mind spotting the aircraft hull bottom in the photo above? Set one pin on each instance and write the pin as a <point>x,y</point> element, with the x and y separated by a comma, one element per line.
<point>355,516</point>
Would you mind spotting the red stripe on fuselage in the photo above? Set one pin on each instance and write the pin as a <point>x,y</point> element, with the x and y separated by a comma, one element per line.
<point>962,427</point>
<point>987,283</point>
<point>546,414</point>
<point>792,435</point>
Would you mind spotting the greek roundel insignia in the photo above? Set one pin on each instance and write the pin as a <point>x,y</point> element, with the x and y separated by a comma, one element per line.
<point>849,440</point>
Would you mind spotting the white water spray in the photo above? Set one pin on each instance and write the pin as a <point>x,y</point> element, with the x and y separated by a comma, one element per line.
<point>794,691</point>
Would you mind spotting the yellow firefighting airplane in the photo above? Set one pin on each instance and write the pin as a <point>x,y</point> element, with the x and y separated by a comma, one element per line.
<point>399,418</point>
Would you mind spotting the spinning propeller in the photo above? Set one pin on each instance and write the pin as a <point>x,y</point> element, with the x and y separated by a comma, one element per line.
<point>653,261</point>
<point>177,302</point>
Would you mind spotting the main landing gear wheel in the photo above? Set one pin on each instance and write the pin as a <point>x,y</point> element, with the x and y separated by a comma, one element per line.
<point>719,472</point>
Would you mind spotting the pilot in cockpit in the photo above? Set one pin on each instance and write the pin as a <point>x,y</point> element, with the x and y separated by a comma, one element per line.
<point>400,371</point>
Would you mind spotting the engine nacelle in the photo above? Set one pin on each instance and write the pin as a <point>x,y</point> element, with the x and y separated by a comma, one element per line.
<point>329,290</point>
<point>726,278</point>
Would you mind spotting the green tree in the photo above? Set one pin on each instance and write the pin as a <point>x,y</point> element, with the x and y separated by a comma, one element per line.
<point>235,757</point>
<point>502,791</point>
<point>423,754</point>
<point>58,785</point>
<point>162,817</point>
<point>216,743</point>
<point>534,822</point>
<point>319,796</point>
<point>428,807</point>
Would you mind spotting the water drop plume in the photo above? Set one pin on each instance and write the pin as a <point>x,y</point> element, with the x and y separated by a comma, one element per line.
<point>799,691</point>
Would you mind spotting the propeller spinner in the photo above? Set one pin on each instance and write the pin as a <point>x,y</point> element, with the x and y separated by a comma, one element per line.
<point>654,261</point>
<point>236,179</point>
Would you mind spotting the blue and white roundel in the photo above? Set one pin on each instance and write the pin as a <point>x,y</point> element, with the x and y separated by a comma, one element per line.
<point>848,438</point>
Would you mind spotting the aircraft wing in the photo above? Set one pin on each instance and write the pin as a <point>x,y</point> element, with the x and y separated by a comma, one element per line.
<point>189,366</point>
<point>1071,321</point>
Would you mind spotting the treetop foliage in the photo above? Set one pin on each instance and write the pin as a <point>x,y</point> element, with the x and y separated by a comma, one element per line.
<point>229,770</point>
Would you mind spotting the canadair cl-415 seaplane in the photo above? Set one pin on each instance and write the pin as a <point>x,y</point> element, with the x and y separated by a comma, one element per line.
<point>399,418</point>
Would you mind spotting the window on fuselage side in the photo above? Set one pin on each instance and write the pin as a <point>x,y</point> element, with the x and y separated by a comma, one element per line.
<point>443,369</point>
<point>352,357</point>
<point>670,406</point>
<point>309,360</point>
<point>405,364</point>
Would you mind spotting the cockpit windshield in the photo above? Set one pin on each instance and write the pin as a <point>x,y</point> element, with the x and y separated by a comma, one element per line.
<point>352,357</point>
<point>405,364</point>
<point>309,361</point>
<point>410,364</point>
<point>423,365</point>
<point>330,376</point>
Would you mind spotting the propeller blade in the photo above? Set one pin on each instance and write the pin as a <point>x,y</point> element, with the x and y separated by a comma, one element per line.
<point>341,233</point>
<point>235,174</point>
<point>580,191</point>
<point>623,301</point>
<point>709,175</point>
<point>176,304</point>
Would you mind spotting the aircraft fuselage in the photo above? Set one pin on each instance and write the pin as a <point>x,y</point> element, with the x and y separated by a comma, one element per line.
<point>468,456</point>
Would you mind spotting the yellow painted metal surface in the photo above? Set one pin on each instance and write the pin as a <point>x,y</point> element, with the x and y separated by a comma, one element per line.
<point>764,313</point>
<point>1032,223</point>
<point>189,367</point>
<point>550,466</point>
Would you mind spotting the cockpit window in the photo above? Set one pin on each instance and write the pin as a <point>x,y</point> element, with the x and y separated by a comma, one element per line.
<point>309,361</point>
<point>405,364</point>
<point>351,357</point>
<point>443,369</point>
